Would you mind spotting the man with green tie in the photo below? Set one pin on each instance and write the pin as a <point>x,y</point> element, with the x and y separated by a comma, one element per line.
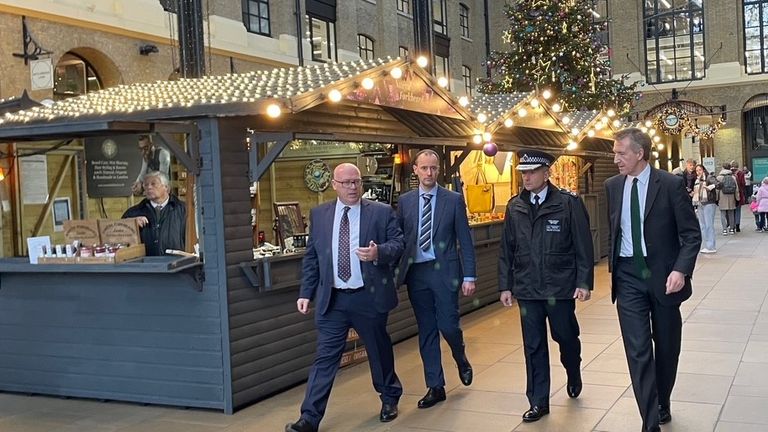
<point>655,239</point>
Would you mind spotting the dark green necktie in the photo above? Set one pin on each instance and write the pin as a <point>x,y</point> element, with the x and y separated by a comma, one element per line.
<point>637,238</point>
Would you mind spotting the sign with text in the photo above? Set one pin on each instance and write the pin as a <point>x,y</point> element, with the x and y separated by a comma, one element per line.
<point>759,169</point>
<point>410,92</point>
<point>112,165</point>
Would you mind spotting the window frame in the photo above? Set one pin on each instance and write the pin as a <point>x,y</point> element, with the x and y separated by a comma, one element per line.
<point>247,15</point>
<point>762,35</point>
<point>404,3</point>
<point>403,52</point>
<point>446,68</point>
<point>464,20</point>
<point>655,17</point>
<point>440,26</point>
<point>466,75</point>
<point>332,51</point>
<point>370,52</point>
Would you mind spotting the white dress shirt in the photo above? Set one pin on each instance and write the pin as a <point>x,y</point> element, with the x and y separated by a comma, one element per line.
<point>163,204</point>
<point>626,216</point>
<point>542,195</point>
<point>356,280</point>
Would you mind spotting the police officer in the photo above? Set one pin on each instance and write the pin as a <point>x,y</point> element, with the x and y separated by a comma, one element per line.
<point>546,262</point>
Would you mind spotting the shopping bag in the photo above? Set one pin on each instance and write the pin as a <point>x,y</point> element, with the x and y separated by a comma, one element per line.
<point>480,198</point>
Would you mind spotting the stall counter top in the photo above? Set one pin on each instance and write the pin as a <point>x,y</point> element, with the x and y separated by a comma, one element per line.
<point>149,264</point>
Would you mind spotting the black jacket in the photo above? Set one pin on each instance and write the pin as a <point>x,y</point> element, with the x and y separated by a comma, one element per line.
<point>166,232</point>
<point>549,256</point>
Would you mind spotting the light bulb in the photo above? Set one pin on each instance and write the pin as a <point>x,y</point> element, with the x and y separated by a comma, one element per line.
<point>535,103</point>
<point>463,101</point>
<point>422,61</point>
<point>616,123</point>
<point>656,138</point>
<point>546,94</point>
<point>556,107</point>
<point>660,146</point>
<point>590,133</point>
<point>487,136</point>
<point>522,112</point>
<point>334,95</point>
<point>396,73</point>
<point>367,83</point>
<point>574,131</point>
<point>477,139</point>
<point>572,145</point>
<point>442,82</point>
<point>611,112</point>
<point>566,120</point>
<point>274,111</point>
<point>648,124</point>
<point>482,118</point>
<point>508,123</point>
<point>651,132</point>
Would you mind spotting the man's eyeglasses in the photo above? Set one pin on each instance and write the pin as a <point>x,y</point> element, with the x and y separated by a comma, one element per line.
<point>349,183</point>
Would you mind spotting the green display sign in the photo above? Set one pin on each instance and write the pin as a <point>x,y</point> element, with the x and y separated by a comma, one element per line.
<point>759,169</point>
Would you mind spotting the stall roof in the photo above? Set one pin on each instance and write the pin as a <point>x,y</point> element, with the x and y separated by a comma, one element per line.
<point>17,103</point>
<point>289,90</point>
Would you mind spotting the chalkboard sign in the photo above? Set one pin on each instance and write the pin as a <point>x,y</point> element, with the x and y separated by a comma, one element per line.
<point>112,165</point>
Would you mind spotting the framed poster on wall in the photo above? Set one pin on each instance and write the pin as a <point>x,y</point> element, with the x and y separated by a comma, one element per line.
<point>62,211</point>
<point>759,169</point>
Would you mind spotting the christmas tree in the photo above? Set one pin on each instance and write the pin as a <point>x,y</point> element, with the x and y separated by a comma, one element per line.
<point>554,45</point>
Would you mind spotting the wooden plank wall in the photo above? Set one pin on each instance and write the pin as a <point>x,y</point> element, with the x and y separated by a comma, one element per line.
<point>132,337</point>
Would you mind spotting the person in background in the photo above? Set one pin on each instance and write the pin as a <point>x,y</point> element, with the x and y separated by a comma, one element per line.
<point>153,158</point>
<point>546,262</point>
<point>741,183</point>
<point>438,263</point>
<point>161,216</point>
<point>655,240</point>
<point>762,205</point>
<point>747,180</point>
<point>728,198</point>
<point>705,202</point>
<point>690,175</point>
<point>348,271</point>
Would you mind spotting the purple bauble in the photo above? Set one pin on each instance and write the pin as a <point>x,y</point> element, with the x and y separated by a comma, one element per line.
<point>490,149</point>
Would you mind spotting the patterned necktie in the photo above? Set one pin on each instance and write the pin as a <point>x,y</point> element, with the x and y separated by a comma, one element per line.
<point>425,233</point>
<point>637,239</point>
<point>345,269</point>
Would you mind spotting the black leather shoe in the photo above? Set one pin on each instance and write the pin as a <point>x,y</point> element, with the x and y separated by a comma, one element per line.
<point>574,388</point>
<point>433,396</point>
<point>665,416</point>
<point>535,413</point>
<point>301,425</point>
<point>465,373</point>
<point>388,412</point>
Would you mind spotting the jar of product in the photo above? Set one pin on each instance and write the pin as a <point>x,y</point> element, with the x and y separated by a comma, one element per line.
<point>100,251</point>
<point>112,250</point>
<point>86,251</point>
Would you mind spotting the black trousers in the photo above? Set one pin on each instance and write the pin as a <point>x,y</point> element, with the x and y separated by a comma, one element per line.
<point>652,334</point>
<point>565,331</point>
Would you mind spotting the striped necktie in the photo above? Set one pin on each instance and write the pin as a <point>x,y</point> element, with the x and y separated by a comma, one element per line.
<point>425,232</point>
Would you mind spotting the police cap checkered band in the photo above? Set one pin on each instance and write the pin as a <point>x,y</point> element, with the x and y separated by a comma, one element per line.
<point>531,159</point>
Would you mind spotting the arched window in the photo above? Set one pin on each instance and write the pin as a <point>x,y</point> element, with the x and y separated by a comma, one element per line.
<point>365,47</point>
<point>74,77</point>
<point>464,20</point>
<point>756,36</point>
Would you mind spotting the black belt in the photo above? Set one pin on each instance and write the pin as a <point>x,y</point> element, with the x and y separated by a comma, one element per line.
<point>423,263</point>
<point>627,259</point>
<point>349,290</point>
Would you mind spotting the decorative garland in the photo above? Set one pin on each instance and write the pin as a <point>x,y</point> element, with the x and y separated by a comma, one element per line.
<point>708,131</point>
<point>673,121</point>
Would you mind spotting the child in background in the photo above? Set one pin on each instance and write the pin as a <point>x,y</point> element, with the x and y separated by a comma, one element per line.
<point>753,207</point>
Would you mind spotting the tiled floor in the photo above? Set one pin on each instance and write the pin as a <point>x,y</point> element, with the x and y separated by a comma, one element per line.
<point>722,383</point>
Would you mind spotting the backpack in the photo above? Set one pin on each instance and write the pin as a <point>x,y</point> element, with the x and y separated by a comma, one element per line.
<point>728,185</point>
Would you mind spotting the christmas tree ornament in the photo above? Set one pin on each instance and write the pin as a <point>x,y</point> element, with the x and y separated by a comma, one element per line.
<point>490,149</point>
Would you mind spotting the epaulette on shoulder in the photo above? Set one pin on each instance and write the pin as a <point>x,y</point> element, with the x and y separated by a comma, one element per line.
<point>568,192</point>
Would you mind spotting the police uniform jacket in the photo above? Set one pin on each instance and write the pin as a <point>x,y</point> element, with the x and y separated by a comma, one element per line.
<point>547,255</point>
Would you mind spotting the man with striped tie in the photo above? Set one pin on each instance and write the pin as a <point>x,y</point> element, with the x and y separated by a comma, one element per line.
<point>434,221</point>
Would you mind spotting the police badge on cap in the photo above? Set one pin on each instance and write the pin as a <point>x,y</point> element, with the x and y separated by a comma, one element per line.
<point>531,159</point>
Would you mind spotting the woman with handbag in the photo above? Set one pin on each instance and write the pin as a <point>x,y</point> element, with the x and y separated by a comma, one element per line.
<point>705,201</point>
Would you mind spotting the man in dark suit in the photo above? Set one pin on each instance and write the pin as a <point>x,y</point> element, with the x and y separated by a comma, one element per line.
<point>655,239</point>
<point>434,220</point>
<point>546,261</point>
<point>348,271</point>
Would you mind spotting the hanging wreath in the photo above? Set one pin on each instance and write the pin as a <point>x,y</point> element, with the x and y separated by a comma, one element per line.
<point>672,121</point>
<point>708,131</point>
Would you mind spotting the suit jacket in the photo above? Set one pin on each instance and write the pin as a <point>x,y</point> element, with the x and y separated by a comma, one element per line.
<point>449,226</point>
<point>377,223</point>
<point>670,229</point>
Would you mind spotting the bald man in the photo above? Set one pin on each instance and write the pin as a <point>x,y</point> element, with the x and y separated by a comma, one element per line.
<point>348,271</point>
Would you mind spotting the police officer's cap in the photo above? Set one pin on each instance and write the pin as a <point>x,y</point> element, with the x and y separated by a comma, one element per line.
<point>530,159</point>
